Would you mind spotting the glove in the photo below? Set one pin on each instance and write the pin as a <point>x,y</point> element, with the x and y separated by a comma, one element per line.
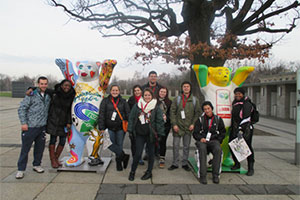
<point>240,134</point>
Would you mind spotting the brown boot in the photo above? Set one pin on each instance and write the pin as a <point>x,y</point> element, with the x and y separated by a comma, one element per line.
<point>54,164</point>
<point>58,151</point>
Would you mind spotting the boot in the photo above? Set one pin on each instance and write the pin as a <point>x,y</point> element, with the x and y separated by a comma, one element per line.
<point>119,163</point>
<point>131,176</point>
<point>58,151</point>
<point>250,169</point>
<point>125,159</point>
<point>54,164</point>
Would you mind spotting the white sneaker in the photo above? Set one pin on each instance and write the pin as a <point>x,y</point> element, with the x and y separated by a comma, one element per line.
<point>38,169</point>
<point>20,174</point>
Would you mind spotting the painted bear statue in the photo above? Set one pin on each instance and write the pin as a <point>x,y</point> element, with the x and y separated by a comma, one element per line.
<point>217,87</point>
<point>90,84</point>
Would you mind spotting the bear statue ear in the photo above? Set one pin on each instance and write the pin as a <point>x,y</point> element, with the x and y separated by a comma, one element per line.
<point>98,63</point>
<point>77,64</point>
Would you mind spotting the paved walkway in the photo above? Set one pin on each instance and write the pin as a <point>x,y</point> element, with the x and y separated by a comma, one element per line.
<point>276,176</point>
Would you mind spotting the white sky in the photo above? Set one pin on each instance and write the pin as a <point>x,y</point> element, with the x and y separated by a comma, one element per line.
<point>33,34</point>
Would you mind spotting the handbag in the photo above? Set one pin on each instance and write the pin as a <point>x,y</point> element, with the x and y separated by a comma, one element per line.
<point>124,122</point>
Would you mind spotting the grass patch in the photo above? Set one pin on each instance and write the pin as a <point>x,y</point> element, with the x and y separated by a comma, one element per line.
<point>5,94</point>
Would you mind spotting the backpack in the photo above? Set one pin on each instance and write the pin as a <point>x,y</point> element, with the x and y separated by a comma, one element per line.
<point>254,114</point>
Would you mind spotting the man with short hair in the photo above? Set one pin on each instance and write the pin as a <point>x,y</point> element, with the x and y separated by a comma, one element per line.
<point>184,112</point>
<point>209,133</point>
<point>152,84</point>
<point>33,113</point>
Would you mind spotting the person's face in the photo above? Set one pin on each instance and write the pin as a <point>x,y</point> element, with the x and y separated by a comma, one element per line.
<point>114,91</point>
<point>152,78</point>
<point>238,96</point>
<point>43,84</point>
<point>137,92</point>
<point>147,96</point>
<point>66,86</point>
<point>162,93</point>
<point>186,88</point>
<point>208,111</point>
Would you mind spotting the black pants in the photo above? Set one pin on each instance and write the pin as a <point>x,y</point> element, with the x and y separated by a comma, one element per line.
<point>36,135</point>
<point>163,142</point>
<point>247,135</point>
<point>214,147</point>
<point>140,141</point>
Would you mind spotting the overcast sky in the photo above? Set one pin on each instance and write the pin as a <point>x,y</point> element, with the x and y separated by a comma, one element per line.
<point>33,34</point>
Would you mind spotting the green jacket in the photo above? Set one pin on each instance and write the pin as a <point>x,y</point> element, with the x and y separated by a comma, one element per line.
<point>192,113</point>
<point>156,122</point>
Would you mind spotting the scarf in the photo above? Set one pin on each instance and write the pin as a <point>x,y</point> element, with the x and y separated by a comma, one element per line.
<point>150,106</point>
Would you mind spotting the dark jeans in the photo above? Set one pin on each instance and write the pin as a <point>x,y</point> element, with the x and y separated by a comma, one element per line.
<point>140,141</point>
<point>36,135</point>
<point>163,142</point>
<point>117,138</point>
<point>62,140</point>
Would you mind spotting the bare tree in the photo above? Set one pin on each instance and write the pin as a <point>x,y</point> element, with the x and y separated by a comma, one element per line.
<point>191,31</point>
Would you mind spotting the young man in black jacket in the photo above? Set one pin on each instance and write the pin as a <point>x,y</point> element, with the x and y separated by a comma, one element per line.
<point>209,133</point>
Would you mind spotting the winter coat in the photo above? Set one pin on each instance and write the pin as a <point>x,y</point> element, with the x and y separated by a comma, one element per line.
<point>241,117</point>
<point>154,89</point>
<point>192,113</point>
<point>33,109</point>
<point>202,127</point>
<point>60,111</point>
<point>131,101</point>
<point>106,110</point>
<point>156,125</point>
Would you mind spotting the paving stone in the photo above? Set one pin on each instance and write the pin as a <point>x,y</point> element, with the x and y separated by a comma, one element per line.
<point>17,191</point>
<point>212,197</point>
<point>214,189</point>
<point>78,177</point>
<point>31,177</point>
<point>152,197</point>
<point>294,197</point>
<point>174,177</point>
<point>253,189</point>
<point>110,197</point>
<point>6,171</point>
<point>72,191</point>
<point>290,176</point>
<point>4,150</point>
<point>171,189</point>
<point>294,188</point>
<point>278,189</point>
<point>263,197</point>
<point>145,188</point>
<point>117,189</point>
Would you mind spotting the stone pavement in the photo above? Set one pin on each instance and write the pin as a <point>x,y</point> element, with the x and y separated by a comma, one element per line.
<point>276,176</point>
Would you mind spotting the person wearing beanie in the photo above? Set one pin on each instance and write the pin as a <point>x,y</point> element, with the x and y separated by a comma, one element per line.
<point>209,133</point>
<point>241,126</point>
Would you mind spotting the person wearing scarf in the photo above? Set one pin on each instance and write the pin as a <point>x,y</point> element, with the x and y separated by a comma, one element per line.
<point>110,119</point>
<point>145,124</point>
<point>59,117</point>
<point>164,103</point>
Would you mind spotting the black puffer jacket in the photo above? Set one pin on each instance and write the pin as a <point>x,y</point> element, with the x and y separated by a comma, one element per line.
<point>106,111</point>
<point>60,111</point>
<point>241,110</point>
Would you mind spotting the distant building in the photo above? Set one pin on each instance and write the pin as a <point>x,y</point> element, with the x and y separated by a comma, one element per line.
<point>19,88</point>
<point>275,95</point>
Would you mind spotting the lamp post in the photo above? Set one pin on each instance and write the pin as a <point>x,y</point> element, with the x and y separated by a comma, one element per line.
<point>297,146</point>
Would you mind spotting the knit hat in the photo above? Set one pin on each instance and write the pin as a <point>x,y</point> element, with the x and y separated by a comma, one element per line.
<point>241,90</point>
<point>207,103</point>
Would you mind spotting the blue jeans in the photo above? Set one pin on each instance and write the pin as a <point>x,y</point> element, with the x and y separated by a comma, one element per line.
<point>117,139</point>
<point>36,135</point>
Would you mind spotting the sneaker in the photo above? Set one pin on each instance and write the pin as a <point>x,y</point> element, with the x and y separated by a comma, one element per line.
<point>216,180</point>
<point>203,180</point>
<point>172,167</point>
<point>186,168</point>
<point>20,174</point>
<point>38,169</point>
<point>162,163</point>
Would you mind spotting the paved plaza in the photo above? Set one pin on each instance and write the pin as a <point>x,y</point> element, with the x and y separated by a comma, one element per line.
<point>276,176</point>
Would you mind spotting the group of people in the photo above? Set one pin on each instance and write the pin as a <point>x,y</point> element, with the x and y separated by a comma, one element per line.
<point>150,114</point>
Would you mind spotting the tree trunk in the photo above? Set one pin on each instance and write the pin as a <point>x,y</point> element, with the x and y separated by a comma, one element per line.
<point>199,16</point>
